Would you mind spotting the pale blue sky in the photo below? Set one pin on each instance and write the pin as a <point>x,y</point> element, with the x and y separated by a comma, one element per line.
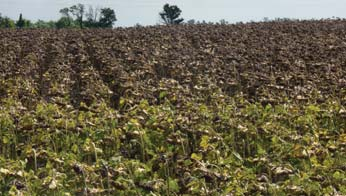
<point>145,12</point>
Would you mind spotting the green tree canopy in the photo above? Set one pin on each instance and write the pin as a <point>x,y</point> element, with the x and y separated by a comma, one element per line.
<point>65,22</point>
<point>44,24</point>
<point>107,18</point>
<point>65,12</point>
<point>6,22</point>
<point>171,14</point>
<point>22,23</point>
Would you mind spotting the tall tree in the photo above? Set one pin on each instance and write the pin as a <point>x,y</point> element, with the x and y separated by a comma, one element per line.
<point>20,23</point>
<point>170,14</point>
<point>78,11</point>
<point>65,12</point>
<point>107,18</point>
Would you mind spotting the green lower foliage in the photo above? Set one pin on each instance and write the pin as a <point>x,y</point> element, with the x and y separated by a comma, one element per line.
<point>225,147</point>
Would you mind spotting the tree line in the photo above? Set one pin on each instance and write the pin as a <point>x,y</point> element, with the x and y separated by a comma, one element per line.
<point>78,16</point>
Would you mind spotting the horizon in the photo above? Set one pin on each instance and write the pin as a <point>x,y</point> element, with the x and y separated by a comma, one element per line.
<point>145,12</point>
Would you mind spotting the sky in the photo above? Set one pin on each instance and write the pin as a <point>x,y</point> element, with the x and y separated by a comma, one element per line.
<point>145,12</point>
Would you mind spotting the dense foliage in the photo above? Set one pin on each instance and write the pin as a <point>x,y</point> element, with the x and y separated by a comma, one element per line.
<point>6,22</point>
<point>170,14</point>
<point>245,109</point>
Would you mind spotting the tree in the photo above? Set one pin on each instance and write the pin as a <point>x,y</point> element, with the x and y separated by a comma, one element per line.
<point>92,17</point>
<point>170,14</point>
<point>20,23</point>
<point>6,22</point>
<point>78,11</point>
<point>23,23</point>
<point>100,18</point>
<point>65,12</point>
<point>44,24</point>
<point>65,22</point>
<point>95,17</point>
<point>107,18</point>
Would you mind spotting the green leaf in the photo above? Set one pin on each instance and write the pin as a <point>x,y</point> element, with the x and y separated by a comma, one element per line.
<point>313,108</point>
<point>162,95</point>
<point>204,142</point>
<point>195,156</point>
<point>5,139</point>
<point>173,185</point>
<point>260,150</point>
<point>338,176</point>
<point>237,155</point>
<point>122,102</point>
